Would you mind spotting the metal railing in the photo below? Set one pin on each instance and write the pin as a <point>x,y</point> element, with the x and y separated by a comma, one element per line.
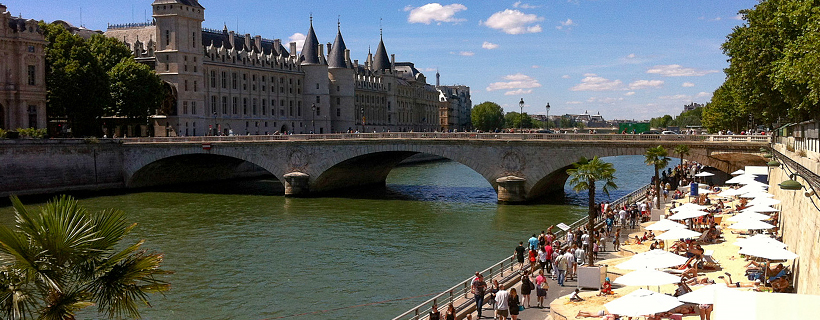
<point>459,136</point>
<point>498,270</point>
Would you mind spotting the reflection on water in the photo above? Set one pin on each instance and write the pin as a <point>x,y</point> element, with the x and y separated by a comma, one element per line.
<point>242,251</point>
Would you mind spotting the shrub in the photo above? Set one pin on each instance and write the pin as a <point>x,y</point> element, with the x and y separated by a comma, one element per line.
<point>801,153</point>
<point>790,147</point>
<point>3,134</point>
<point>32,133</point>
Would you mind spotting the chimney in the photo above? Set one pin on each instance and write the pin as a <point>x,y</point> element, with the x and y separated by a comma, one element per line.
<point>347,57</point>
<point>321,50</point>
<point>231,38</point>
<point>276,44</point>
<point>355,62</point>
<point>328,48</point>
<point>258,41</point>
<point>293,49</point>
<point>248,41</point>
<point>392,62</point>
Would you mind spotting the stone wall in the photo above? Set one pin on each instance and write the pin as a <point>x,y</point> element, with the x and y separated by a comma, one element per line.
<point>800,223</point>
<point>47,166</point>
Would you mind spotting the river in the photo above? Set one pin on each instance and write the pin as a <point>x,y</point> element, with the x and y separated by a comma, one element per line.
<point>240,250</point>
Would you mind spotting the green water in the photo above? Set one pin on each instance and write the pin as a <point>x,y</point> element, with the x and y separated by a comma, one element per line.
<point>240,250</point>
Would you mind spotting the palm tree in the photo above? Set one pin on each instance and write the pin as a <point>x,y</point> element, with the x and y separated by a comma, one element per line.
<point>582,177</point>
<point>657,157</point>
<point>62,259</point>
<point>682,150</point>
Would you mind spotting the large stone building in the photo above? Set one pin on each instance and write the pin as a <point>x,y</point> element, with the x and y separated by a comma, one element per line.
<point>221,82</point>
<point>22,80</point>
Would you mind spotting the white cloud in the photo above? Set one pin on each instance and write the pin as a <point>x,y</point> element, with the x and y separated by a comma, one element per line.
<point>299,38</point>
<point>489,45</point>
<point>687,85</point>
<point>518,92</point>
<point>435,12</point>
<point>574,102</point>
<point>631,56</point>
<point>676,70</point>
<point>681,97</point>
<point>535,66</point>
<point>566,25</point>
<point>515,81</point>
<point>630,93</point>
<point>644,84</point>
<point>703,95</point>
<point>566,76</point>
<point>463,53</point>
<point>590,75</point>
<point>738,17</point>
<point>429,69</point>
<point>716,19</point>
<point>592,82</point>
<point>605,100</point>
<point>514,22</point>
<point>524,5</point>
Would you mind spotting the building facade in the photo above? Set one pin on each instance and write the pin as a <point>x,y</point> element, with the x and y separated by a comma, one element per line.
<point>23,76</point>
<point>221,82</point>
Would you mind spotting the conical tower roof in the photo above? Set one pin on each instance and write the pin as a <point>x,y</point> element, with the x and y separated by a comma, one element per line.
<point>381,60</point>
<point>337,52</point>
<point>310,51</point>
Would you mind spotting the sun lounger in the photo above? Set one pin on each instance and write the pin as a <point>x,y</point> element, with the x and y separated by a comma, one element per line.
<point>709,261</point>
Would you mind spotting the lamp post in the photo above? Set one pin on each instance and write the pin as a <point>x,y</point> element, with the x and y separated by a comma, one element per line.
<point>521,115</point>
<point>363,119</point>
<point>548,116</point>
<point>214,131</point>
<point>313,118</point>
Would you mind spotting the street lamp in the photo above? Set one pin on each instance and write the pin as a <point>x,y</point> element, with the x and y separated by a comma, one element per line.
<point>521,115</point>
<point>313,118</point>
<point>548,115</point>
<point>363,119</point>
<point>213,132</point>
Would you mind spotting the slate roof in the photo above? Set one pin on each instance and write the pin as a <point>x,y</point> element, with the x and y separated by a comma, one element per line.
<point>192,3</point>
<point>381,61</point>
<point>220,39</point>
<point>310,51</point>
<point>336,59</point>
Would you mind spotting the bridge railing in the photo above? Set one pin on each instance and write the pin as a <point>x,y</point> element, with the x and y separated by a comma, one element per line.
<point>458,135</point>
<point>499,269</point>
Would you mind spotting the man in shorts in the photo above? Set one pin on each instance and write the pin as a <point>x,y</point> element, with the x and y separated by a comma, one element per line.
<point>502,308</point>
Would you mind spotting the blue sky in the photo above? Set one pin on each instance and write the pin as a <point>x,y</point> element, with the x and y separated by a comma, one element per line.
<point>627,59</point>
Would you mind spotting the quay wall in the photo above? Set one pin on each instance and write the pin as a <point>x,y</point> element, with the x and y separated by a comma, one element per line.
<point>50,166</point>
<point>800,222</point>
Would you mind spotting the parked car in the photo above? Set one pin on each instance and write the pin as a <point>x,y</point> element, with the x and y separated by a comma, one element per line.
<point>669,132</point>
<point>650,132</point>
<point>544,131</point>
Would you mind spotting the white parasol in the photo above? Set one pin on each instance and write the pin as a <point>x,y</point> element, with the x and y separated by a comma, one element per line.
<point>757,194</point>
<point>729,193</point>
<point>642,302</point>
<point>763,202</point>
<point>664,224</point>
<point>741,178</point>
<point>771,252</point>
<point>705,191</point>
<point>704,174</point>
<point>678,233</point>
<point>758,240</point>
<point>760,208</point>
<point>751,225</point>
<point>739,171</point>
<point>647,277</point>
<point>687,206</point>
<point>705,295</point>
<point>652,260</point>
<point>687,214</point>
<point>748,215</point>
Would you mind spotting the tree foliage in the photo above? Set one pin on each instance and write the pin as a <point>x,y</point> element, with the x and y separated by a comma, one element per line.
<point>513,120</point>
<point>136,91</point>
<point>583,176</point>
<point>657,157</point>
<point>108,51</point>
<point>64,258</point>
<point>682,150</point>
<point>773,65</point>
<point>487,116</point>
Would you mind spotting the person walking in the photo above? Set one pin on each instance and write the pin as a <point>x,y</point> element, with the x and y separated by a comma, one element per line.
<point>542,259</point>
<point>541,287</point>
<point>548,254</point>
<point>451,313</point>
<point>502,308</point>
<point>570,257</point>
<point>514,304</point>
<point>434,313</point>
<point>526,288</point>
<point>533,242</point>
<point>519,254</point>
<point>617,241</point>
<point>561,268</point>
<point>493,291</point>
<point>478,288</point>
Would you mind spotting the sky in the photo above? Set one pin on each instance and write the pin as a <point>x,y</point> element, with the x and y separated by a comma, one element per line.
<point>624,59</point>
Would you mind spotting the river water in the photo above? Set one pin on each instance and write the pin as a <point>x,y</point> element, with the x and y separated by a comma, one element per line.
<point>240,250</point>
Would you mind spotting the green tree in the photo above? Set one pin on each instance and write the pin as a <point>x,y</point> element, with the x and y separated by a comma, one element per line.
<point>487,116</point>
<point>582,177</point>
<point>513,120</point>
<point>136,91</point>
<point>108,51</point>
<point>657,157</point>
<point>65,258</point>
<point>724,112</point>
<point>77,86</point>
<point>682,150</point>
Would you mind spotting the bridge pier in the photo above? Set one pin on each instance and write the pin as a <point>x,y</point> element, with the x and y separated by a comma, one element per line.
<point>511,189</point>
<point>297,184</point>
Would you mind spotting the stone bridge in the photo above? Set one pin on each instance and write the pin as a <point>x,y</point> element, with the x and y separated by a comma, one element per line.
<point>521,167</point>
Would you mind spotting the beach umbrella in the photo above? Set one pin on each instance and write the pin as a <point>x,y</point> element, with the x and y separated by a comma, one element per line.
<point>664,224</point>
<point>705,295</point>
<point>740,178</point>
<point>770,251</point>
<point>751,225</point>
<point>729,193</point>
<point>759,239</point>
<point>642,302</point>
<point>704,174</point>
<point>678,233</point>
<point>748,215</point>
<point>760,208</point>
<point>705,191</point>
<point>738,172</point>
<point>647,277</point>
<point>687,206</point>
<point>754,183</point>
<point>687,214</point>
<point>763,202</point>
<point>757,194</point>
<point>654,259</point>
<point>751,188</point>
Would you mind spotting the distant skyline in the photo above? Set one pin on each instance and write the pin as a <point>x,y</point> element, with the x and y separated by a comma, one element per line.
<point>624,59</point>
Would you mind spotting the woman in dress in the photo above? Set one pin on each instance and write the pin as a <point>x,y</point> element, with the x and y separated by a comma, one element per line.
<point>541,287</point>
<point>514,304</point>
<point>493,290</point>
<point>526,288</point>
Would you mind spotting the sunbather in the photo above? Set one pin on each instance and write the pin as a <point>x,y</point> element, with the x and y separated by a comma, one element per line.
<point>587,314</point>
<point>729,283</point>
